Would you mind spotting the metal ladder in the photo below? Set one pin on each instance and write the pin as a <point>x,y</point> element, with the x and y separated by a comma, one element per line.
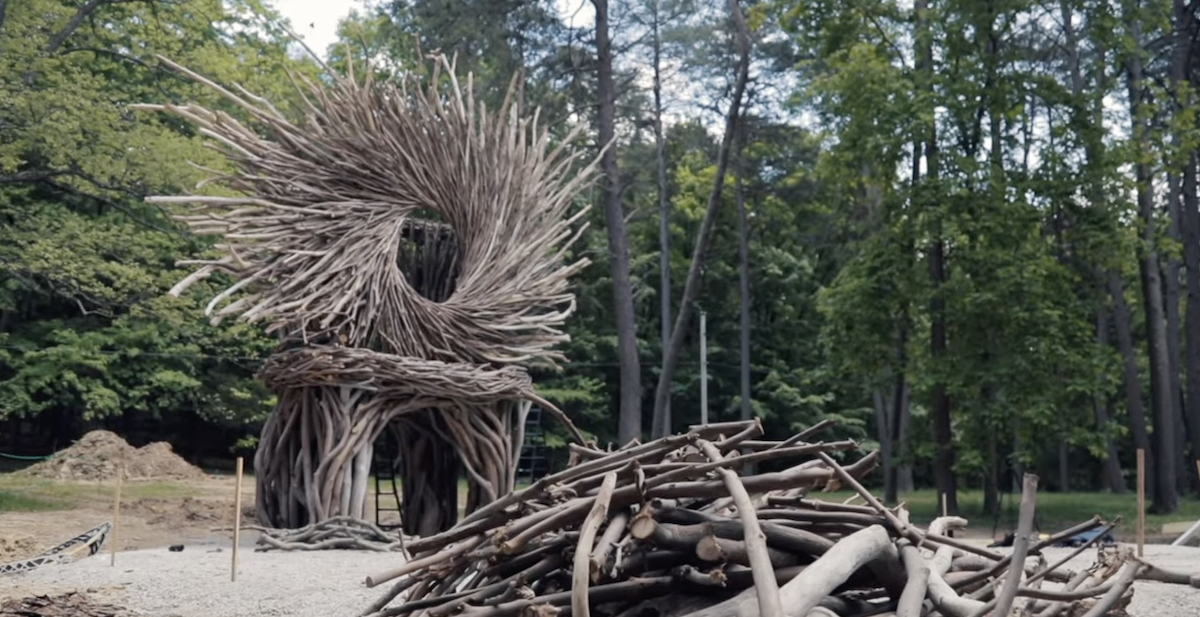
<point>532,463</point>
<point>385,472</point>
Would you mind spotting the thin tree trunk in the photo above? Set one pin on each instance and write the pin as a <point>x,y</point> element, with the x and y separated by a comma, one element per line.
<point>898,477</point>
<point>1123,322</point>
<point>664,204</point>
<point>883,430</point>
<point>1189,223</point>
<point>629,425</point>
<point>1114,479</point>
<point>1191,255</point>
<point>743,276</point>
<point>1171,299</point>
<point>944,467</point>
<point>1166,498</point>
<point>691,287</point>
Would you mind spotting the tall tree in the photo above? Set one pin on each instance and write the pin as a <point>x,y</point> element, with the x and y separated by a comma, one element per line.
<point>691,289</point>
<point>1166,498</point>
<point>630,418</point>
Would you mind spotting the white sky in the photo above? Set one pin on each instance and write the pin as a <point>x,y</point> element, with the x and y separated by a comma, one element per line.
<point>316,20</point>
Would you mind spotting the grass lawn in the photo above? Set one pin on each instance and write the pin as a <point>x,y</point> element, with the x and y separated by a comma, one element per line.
<point>1055,511</point>
<point>25,494</point>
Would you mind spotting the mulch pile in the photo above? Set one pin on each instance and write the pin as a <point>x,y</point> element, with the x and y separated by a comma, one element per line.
<point>99,455</point>
<point>65,605</point>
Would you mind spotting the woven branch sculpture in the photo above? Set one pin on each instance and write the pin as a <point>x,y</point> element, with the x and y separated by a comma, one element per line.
<point>409,248</point>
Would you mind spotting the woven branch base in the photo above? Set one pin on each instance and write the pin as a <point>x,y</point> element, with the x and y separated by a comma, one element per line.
<point>314,460</point>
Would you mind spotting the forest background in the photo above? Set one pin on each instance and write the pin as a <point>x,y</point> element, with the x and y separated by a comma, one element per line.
<point>966,230</point>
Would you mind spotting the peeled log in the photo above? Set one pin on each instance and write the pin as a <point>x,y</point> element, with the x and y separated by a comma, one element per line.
<point>805,592</point>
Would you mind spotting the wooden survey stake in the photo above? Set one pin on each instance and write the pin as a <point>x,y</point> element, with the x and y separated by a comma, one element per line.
<point>116,517</point>
<point>237,519</point>
<point>1141,501</point>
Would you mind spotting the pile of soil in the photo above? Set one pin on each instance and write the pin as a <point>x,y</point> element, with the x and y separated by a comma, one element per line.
<point>99,455</point>
<point>17,548</point>
<point>188,510</point>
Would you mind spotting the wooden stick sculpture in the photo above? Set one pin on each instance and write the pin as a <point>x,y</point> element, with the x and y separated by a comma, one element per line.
<point>661,528</point>
<point>409,247</point>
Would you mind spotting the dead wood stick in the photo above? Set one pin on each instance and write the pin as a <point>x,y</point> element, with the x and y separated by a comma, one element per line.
<point>902,528</point>
<point>715,549</point>
<point>818,505</point>
<point>912,599</point>
<point>941,594</point>
<point>580,572</point>
<point>490,594</point>
<point>1048,571</point>
<point>424,562</point>
<point>1122,584</point>
<point>1081,580</point>
<point>630,590</point>
<point>1052,572</point>
<point>612,534</point>
<point>685,537</point>
<point>769,602</point>
<point>398,588</point>
<point>1151,572</point>
<point>1008,593</point>
<point>814,516</point>
<point>810,587</point>
<point>754,430</point>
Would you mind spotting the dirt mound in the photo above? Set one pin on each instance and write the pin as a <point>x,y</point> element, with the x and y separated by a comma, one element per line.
<point>16,548</point>
<point>188,510</point>
<point>99,455</point>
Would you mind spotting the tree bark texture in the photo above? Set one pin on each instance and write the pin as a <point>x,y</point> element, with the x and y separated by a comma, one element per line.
<point>629,425</point>
<point>664,203</point>
<point>944,477</point>
<point>1114,479</point>
<point>1189,224</point>
<point>1166,498</point>
<point>744,279</point>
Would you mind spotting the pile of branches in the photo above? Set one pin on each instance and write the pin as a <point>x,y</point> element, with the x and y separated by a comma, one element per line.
<point>670,527</point>
<point>339,532</point>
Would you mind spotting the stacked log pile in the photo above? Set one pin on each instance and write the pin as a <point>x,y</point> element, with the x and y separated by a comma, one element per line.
<point>669,527</point>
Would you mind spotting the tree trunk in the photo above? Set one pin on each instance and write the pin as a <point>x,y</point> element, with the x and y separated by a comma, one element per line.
<point>991,477</point>
<point>691,287</point>
<point>744,276</point>
<point>883,430</point>
<point>664,204</point>
<point>1171,299</point>
<point>944,466</point>
<point>1166,498</point>
<point>1123,322</point>
<point>1191,255</point>
<point>629,425</point>
<point>898,477</point>
<point>1114,479</point>
<point>1188,216</point>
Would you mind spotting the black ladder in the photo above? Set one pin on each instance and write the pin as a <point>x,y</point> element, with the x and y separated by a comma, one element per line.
<point>385,479</point>
<point>533,463</point>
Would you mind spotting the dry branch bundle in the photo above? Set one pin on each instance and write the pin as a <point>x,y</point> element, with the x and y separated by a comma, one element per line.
<point>670,528</point>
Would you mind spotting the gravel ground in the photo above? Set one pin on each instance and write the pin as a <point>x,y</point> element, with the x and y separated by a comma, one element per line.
<point>195,582</point>
<point>1150,599</point>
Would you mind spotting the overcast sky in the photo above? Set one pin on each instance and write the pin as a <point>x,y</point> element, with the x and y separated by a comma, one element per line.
<point>316,20</point>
